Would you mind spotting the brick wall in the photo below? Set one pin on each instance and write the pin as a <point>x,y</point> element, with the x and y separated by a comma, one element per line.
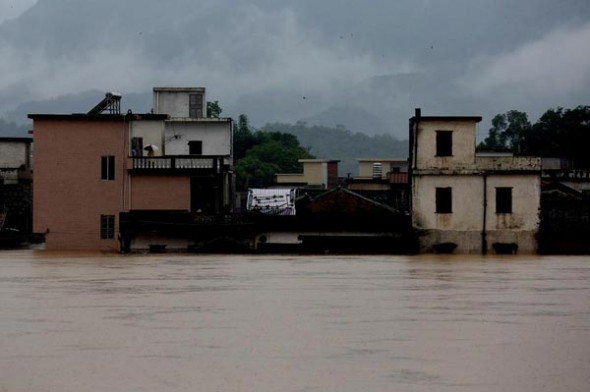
<point>160,192</point>
<point>69,195</point>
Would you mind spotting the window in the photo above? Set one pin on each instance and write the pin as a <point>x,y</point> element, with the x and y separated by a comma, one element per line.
<point>503,200</point>
<point>195,147</point>
<point>107,227</point>
<point>136,146</point>
<point>107,168</point>
<point>444,200</point>
<point>195,105</point>
<point>444,143</point>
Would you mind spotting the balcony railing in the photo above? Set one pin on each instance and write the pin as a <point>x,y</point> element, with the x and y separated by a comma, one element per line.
<point>179,162</point>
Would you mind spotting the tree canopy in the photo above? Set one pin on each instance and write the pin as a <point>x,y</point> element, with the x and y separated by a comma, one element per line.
<point>559,132</point>
<point>507,132</point>
<point>213,109</point>
<point>260,155</point>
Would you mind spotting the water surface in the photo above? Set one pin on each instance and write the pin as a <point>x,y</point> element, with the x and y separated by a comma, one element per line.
<point>88,322</point>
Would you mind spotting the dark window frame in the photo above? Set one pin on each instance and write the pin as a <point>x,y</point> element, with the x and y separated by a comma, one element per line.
<point>107,168</point>
<point>195,147</point>
<point>136,146</point>
<point>504,200</point>
<point>444,143</point>
<point>195,105</point>
<point>107,227</point>
<point>444,200</point>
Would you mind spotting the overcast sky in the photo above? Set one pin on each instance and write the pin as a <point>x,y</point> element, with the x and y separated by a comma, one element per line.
<point>281,60</point>
<point>10,9</point>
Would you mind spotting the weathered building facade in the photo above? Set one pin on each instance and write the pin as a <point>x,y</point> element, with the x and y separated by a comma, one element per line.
<point>466,203</point>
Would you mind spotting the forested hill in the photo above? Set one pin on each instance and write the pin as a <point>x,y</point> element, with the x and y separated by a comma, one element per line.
<point>10,129</point>
<point>340,143</point>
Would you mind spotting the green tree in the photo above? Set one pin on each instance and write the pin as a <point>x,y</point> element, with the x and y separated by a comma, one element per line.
<point>213,109</point>
<point>507,132</point>
<point>251,172</point>
<point>244,137</point>
<point>561,133</point>
<point>260,155</point>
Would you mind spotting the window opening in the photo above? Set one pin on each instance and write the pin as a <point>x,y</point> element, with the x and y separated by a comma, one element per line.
<point>195,147</point>
<point>195,105</point>
<point>136,146</point>
<point>444,143</point>
<point>107,168</point>
<point>444,200</point>
<point>503,200</point>
<point>107,227</point>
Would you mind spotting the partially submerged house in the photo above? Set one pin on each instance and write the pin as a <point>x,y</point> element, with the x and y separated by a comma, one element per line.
<point>465,203</point>
<point>93,168</point>
<point>337,221</point>
<point>15,189</point>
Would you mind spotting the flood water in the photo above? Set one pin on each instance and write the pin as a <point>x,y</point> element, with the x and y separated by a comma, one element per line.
<point>83,322</point>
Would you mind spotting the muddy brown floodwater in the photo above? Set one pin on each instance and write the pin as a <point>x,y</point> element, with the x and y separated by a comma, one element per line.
<point>84,322</point>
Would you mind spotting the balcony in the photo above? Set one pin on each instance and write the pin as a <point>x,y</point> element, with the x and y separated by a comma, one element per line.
<point>210,164</point>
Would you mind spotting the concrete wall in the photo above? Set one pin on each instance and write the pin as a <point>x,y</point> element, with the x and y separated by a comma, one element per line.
<point>463,144</point>
<point>69,195</point>
<point>152,132</point>
<point>315,173</point>
<point>175,101</point>
<point>508,163</point>
<point>215,135</point>
<point>13,154</point>
<point>160,192</point>
<point>464,225</point>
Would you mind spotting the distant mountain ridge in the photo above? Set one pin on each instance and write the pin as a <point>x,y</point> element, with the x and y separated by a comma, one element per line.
<point>76,103</point>
<point>342,144</point>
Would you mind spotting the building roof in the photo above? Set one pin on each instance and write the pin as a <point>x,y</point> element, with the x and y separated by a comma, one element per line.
<point>317,160</point>
<point>199,119</point>
<point>16,139</point>
<point>382,159</point>
<point>97,117</point>
<point>179,89</point>
<point>447,118</point>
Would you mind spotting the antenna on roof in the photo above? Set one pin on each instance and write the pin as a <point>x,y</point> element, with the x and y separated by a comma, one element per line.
<point>111,104</point>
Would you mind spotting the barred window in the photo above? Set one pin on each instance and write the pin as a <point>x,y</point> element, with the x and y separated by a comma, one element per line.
<point>195,106</point>
<point>107,227</point>
<point>107,168</point>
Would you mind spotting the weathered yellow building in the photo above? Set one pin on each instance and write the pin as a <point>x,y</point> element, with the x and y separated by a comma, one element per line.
<point>465,203</point>
<point>317,173</point>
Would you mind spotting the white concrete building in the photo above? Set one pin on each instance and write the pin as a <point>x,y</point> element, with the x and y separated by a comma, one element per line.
<point>465,203</point>
<point>15,159</point>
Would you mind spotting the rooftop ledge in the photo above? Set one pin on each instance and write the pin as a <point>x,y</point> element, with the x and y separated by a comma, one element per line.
<point>200,119</point>
<point>484,165</point>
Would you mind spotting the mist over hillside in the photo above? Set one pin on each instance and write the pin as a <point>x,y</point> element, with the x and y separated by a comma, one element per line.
<point>285,61</point>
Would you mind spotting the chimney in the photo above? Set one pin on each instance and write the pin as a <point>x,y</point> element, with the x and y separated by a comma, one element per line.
<point>418,113</point>
<point>333,174</point>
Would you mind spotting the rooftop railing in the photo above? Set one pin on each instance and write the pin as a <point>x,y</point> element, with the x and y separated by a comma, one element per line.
<point>179,162</point>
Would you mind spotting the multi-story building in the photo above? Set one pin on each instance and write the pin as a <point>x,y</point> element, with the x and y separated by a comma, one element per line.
<point>92,167</point>
<point>467,203</point>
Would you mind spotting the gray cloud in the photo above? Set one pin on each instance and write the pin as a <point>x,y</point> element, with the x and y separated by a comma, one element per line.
<point>262,57</point>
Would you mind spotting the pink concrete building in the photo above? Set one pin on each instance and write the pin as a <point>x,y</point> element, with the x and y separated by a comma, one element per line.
<point>92,167</point>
